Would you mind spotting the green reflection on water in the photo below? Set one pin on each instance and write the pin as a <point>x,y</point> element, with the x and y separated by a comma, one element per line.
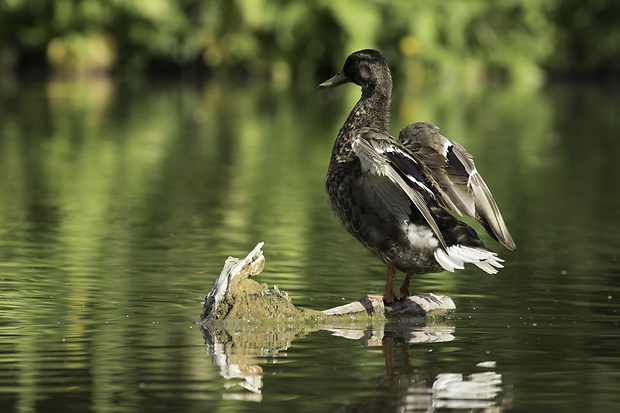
<point>120,201</point>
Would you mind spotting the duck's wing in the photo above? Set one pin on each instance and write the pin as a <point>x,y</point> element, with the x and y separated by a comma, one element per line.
<point>453,170</point>
<point>385,163</point>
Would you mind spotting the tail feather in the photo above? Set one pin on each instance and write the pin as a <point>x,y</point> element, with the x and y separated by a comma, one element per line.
<point>456,256</point>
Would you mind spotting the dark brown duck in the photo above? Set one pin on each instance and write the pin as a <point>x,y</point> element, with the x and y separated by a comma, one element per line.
<point>394,196</point>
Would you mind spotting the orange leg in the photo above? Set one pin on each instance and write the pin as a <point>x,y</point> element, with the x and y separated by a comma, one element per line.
<point>389,296</point>
<point>404,288</point>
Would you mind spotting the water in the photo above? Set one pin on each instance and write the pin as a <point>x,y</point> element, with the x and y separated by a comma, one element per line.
<point>120,201</point>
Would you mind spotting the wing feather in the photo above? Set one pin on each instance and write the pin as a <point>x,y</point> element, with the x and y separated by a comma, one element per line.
<point>371,148</point>
<point>452,168</point>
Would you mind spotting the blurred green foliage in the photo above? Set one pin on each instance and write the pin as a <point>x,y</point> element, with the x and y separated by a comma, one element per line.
<point>465,40</point>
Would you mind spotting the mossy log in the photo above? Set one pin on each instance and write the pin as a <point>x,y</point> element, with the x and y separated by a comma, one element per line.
<point>235,297</point>
<point>243,321</point>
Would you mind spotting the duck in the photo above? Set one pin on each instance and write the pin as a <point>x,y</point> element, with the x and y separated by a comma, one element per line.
<point>402,198</point>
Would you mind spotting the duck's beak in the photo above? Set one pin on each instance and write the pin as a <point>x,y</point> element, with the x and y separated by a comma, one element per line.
<point>337,80</point>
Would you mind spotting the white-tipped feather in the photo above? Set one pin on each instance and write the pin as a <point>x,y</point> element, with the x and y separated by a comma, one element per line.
<point>456,256</point>
<point>451,167</point>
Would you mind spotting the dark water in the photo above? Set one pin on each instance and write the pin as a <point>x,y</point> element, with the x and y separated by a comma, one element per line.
<point>119,203</point>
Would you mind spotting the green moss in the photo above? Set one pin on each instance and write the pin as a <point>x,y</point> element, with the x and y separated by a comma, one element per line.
<point>252,303</point>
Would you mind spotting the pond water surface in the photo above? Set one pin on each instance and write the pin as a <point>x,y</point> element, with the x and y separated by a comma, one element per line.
<point>120,201</point>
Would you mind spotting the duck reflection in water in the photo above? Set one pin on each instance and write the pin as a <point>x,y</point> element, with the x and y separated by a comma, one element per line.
<point>241,352</point>
<point>415,388</point>
<point>406,387</point>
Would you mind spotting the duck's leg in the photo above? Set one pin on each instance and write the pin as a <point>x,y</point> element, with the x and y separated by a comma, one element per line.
<point>404,288</point>
<point>389,296</point>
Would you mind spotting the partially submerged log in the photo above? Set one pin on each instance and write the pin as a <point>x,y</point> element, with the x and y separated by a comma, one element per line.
<point>421,305</point>
<point>244,321</point>
<point>236,297</point>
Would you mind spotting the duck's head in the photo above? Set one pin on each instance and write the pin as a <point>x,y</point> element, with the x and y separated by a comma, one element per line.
<point>366,68</point>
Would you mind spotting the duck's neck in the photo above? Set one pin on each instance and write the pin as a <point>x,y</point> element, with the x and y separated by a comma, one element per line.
<point>372,110</point>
